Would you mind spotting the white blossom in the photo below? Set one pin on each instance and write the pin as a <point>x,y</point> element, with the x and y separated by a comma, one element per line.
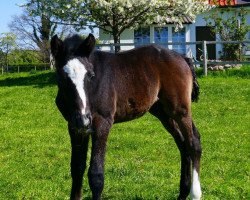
<point>121,14</point>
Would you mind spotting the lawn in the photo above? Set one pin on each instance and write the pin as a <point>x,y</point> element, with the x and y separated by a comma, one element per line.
<point>142,159</point>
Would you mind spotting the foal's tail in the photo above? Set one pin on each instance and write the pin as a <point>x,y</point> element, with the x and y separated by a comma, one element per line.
<point>196,88</point>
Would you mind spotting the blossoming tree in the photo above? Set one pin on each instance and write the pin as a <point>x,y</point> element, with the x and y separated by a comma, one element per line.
<point>114,16</point>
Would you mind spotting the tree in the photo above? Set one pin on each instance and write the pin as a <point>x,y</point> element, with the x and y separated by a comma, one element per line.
<point>23,56</point>
<point>230,25</point>
<point>114,16</point>
<point>7,44</point>
<point>35,31</point>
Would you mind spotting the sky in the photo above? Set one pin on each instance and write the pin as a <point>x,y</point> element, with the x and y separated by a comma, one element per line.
<point>8,8</point>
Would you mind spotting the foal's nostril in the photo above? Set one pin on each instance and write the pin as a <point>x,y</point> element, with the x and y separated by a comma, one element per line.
<point>87,120</point>
<point>82,121</point>
<point>89,117</point>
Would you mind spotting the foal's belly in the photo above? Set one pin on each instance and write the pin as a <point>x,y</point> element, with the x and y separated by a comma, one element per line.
<point>130,110</point>
<point>132,105</point>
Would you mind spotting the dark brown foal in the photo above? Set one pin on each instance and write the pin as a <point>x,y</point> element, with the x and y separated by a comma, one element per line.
<point>97,89</point>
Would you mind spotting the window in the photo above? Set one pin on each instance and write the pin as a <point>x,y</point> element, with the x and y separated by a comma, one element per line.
<point>179,36</point>
<point>142,36</point>
<point>161,35</point>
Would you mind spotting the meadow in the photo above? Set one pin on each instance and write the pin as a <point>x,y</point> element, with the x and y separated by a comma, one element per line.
<point>142,161</point>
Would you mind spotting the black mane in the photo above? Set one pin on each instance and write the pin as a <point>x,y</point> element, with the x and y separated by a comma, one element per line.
<point>71,43</point>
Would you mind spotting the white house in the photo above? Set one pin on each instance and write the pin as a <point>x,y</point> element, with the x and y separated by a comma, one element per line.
<point>192,31</point>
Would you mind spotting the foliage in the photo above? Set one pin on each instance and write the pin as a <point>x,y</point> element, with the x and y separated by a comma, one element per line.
<point>114,16</point>
<point>142,160</point>
<point>7,44</point>
<point>230,24</point>
<point>18,57</point>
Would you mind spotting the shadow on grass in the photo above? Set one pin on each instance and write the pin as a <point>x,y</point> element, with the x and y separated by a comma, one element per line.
<point>103,198</point>
<point>132,198</point>
<point>40,80</point>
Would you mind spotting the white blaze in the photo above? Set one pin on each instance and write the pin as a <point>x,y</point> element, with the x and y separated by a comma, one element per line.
<point>196,187</point>
<point>76,72</point>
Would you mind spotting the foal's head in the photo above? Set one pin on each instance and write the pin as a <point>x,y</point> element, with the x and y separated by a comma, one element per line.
<point>74,72</point>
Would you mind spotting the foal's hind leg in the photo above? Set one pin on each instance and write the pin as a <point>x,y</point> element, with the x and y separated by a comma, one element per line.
<point>196,188</point>
<point>193,147</point>
<point>172,127</point>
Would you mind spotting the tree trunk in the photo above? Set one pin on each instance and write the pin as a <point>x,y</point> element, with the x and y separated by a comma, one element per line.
<point>45,37</point>
<point>117,38</point>
<point>6,58</point>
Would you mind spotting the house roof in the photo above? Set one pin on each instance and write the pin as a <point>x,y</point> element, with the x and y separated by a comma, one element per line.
<point>226,3</point>
<point>187,20</point>
<point>243,3</point>
<point>222,2</point>
<point>184,20</point>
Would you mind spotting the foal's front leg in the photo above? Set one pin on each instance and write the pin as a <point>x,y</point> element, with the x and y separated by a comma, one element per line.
<point>96,170</point>
<point>79,145</point>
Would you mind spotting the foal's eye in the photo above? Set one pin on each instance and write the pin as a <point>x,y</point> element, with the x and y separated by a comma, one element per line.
<point>90,75</point>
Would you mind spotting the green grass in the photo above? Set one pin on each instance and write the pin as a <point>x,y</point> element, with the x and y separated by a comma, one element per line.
<point>243,72</point>
<point>142,160</point>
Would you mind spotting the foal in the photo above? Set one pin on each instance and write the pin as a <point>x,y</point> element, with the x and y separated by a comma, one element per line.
<point>97,89</point>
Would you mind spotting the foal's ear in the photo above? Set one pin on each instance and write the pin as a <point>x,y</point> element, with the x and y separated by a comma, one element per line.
<point>56,46</point>
<point>86,47</point>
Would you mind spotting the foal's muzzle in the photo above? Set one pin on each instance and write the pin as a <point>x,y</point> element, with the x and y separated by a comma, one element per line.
<point>82,121</point>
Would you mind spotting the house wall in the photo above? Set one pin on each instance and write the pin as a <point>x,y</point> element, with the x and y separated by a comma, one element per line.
<point>248,21</point>
<point>127,37</point>
<point>199,21</point>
